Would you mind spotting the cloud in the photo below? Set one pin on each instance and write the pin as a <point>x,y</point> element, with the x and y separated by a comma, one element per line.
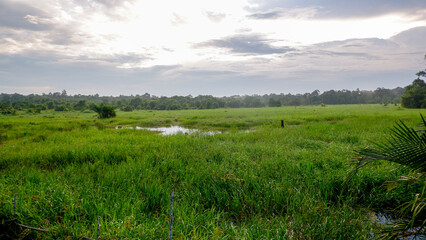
<point>214,16</point>
<point>221,47</point>
<point>79,76</point>
<point>338,9</point>
<point>115,10</point>
<point>281,13</point>
<point>22,16</point>
<point>246,44</point>
<point>414,38</point>
<point>178,20</point>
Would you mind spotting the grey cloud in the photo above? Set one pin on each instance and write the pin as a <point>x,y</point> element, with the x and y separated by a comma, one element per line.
<point>132,57</point>
<point>66,35</point>
<point>22,16</point>
<point>340,9</point>
<point>357,43</point>
<point>367,49</point>
<point>278,13</point>
<point>214,16</point>
<point>274,14</point>
<point>79,76</point>
<point>113,9</point>
<point>107,3</point>
<point>413,38</point>
<point>110,3</point>
<point>246,44</point>
<point>320,53</point>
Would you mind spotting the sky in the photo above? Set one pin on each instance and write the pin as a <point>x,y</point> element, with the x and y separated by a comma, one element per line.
<point>209,47</point>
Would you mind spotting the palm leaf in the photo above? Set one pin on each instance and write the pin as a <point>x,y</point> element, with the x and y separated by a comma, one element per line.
<point>406,147</point>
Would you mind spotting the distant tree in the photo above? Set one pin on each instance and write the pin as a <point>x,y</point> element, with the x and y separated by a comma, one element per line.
<point>80,105</point>
<point>7,109</point>
<point>127,108</point>
<point>61,108</point>
<point>50,105</point>
<point>253,102</point>
<point>234,103</point>
<point>274,102</point>
<point>104,111</point>
<point>415,94</point>
<point>136,102</point>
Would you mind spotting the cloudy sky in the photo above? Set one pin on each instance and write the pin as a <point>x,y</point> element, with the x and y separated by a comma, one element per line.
<point>217,47</point>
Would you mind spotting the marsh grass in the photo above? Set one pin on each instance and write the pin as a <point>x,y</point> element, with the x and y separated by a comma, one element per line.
<point>273,183</point>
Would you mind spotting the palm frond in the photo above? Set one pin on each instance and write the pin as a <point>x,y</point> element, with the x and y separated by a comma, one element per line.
<point>406,146</point>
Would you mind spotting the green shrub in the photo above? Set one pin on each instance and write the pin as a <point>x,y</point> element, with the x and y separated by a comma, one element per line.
<point>61,108</point>
<point>127,108</point>
<point>104,111</point>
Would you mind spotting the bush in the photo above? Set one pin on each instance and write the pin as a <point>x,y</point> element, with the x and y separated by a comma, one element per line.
<point>127,108</point>
<point>5,109</point>
<point>61,108</point>
<point>104,111</point>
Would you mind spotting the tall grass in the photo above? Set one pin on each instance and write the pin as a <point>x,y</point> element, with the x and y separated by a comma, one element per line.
<point>271,183</point>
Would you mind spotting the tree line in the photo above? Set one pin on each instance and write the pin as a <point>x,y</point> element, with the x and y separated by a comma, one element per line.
<point>61,101</point>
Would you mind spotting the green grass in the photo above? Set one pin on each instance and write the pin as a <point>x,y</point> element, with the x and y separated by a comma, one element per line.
<point>271,183</point>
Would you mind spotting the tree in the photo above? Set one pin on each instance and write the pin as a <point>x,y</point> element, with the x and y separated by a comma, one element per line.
<point>80,105</point>
<point>50,105</point>
<point>104,111</point>
<point>415,94</point>
<point>274,103</point>
<point>61,108</point>
<point>7,109</point>
<point>127,108</point>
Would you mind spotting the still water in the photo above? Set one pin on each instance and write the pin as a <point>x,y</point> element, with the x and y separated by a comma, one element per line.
<point>172,130</point>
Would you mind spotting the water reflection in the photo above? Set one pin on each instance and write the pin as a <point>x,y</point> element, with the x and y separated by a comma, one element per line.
<point>172,130</point>
<point>388,220</point>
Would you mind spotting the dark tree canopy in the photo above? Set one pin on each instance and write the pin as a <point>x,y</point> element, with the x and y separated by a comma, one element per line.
<point>415,93</point>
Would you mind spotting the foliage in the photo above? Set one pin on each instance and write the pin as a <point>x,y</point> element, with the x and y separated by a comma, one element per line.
<point>6,109</point>
<point>61,108</point>
<point>274,103</point>
<point>268,183</point>
<point>104,111</point>
<point>415,94</point>
<point>406,147</point>
<point>80,105</point>
<point>127,108</point>
<point>151,102</point>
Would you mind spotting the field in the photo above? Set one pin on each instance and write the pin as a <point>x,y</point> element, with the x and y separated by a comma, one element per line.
<point>267,183</point>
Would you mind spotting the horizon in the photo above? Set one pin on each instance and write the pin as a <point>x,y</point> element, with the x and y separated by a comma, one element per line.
<point>195,95</point>
<point>218,48</point>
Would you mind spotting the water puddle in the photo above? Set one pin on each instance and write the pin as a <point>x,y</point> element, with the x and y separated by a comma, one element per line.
<point>172,130</point>
<point>388,220</point>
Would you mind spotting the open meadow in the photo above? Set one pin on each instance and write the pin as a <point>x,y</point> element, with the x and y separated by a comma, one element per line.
<point>252,179</point>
